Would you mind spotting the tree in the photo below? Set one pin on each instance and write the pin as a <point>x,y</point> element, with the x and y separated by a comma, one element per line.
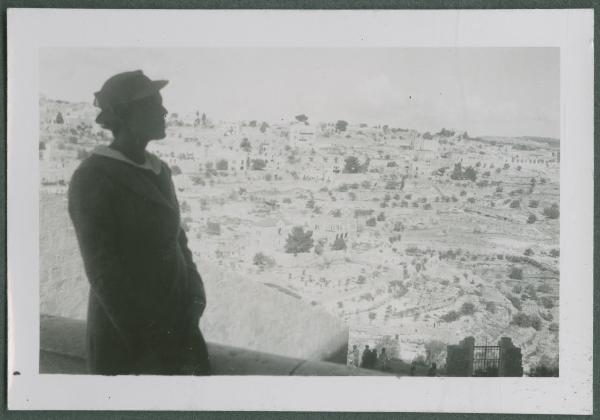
<point>339,244</point>
<point>252,123</point>
<point>301,118</point>
<point>434,350</point>
<point>222,165</point>
<point>457,172</point>
<point>263,127</point>
<point>371,222</point>
<point>470,174</point>
<point>341,125</point>
<point>204,119</point>
<point>59,119</point>
<point>245,145</point>
<point>352,165</point>
<point>176,170</point>
<point>299,241</point>
<point>427,136</point>
<point>531,218</point>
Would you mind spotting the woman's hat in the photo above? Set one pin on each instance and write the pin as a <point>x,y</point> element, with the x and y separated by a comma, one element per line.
<point>121,89</point>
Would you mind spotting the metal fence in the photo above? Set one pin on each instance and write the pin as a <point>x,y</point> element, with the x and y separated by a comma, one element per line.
<point>486,360</point>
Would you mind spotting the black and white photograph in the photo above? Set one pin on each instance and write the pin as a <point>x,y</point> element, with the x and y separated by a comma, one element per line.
<point>307,211</point>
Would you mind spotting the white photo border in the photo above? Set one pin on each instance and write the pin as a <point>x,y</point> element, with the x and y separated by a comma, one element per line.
<point>569,29</point>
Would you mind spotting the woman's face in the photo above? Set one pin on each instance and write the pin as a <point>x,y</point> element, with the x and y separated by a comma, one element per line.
<point>146,119</point>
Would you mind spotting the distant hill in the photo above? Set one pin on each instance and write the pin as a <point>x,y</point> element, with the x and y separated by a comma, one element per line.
<point>531,141</point>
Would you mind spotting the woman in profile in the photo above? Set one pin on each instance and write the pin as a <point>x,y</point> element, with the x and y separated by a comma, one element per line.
<point>146,296</point>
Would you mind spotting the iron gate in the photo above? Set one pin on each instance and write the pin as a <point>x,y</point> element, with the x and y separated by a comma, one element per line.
<point>486,360</point>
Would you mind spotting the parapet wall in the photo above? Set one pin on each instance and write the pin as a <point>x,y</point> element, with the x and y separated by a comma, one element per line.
<point>240,313</point>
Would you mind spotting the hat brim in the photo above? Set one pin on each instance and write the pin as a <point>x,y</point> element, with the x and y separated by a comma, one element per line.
<point>154,87</point>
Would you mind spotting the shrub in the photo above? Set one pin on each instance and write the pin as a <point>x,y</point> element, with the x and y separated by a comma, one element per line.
<point>531,218</point>
<point>381,217</point>
<point>352,165</point>
<point>490,307</point>
<point>262,260</point>
<point>530,290</point>
<point>546,367</point>
<point>371,222</point>
<point>362,212</point>
<point>528,252</point>
<point>398,227</point>
<point>392,185</point>
<point>176,170</point>
<point>544,288</point>
<point>82,154</point>
<point>523,320</point>
<point>517,289</point>
<point>554,253</point>
<point>222,165</point>
<point>553,327</point>
<point>552,212</point>
<point>336,213</point>
<point>536,322</point>
<point>547,302</point>
<point>450,316</point>
<point>516,302</point>
<point>516,273</point>
<point>515,204</point>
<point>471,200</point>
<point>467,308</point>
<point>427,206</point>
<point>534,204</point>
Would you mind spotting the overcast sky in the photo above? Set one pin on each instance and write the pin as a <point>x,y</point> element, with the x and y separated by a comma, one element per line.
<point>486,91</point>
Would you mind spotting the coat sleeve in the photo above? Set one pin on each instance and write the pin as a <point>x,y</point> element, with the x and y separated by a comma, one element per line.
<point>94,222</point>
<point>197,294</point>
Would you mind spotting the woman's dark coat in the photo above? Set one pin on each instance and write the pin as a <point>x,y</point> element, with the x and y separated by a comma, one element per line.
<point>146,296</point>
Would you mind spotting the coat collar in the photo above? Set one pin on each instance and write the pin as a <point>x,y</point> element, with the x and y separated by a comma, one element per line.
<point>152,163</point>
<point>134,180</point>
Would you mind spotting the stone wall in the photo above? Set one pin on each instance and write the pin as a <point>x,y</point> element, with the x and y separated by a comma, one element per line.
<point>240,313</point>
